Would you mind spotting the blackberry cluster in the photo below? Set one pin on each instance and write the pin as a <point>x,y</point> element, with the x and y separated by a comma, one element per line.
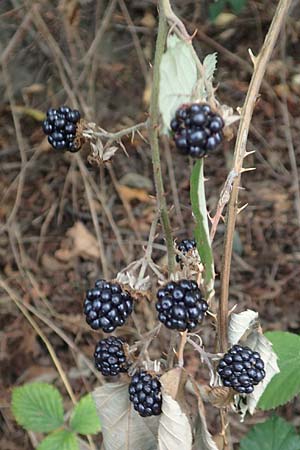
<point>180,305</point>
<point>197,129</point>
<point>110,358</point>
<point>185,246</point>
<point>241,369</point>
<point>107,306</point>
<point>145,394</point>
<point>60,127</point>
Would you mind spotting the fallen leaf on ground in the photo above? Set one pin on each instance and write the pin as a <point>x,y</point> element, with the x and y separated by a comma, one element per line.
<point>84,244</point>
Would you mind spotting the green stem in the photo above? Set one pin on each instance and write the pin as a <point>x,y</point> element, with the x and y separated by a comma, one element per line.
<point>153,138</point>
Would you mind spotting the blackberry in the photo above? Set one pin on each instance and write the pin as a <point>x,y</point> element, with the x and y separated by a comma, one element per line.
<point>107,306</point>
<point>180,305</point>
<point>145,394</point>
<point>185,246</point>
<point>241,369</point>
<point>197,129</point>
<point>110,358</point>
<point>60,127</point>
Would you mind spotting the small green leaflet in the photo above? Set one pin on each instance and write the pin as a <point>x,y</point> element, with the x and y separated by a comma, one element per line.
<point>59,440</point>
<point>286,384</point>
<point>178,77</point>
<point>274,434</point>
<point>84,419</point>
<point>237,5</point>
<point>197,194</point>
<point>38,407</point>
<point>216,7</point>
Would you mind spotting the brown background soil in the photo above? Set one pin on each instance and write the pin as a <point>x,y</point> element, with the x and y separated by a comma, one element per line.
<point>44,196</point>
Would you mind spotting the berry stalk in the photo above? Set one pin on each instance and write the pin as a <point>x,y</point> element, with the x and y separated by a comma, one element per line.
<point>154,142</point>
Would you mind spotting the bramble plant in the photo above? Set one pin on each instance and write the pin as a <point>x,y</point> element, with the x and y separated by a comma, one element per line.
<point>248,369</point>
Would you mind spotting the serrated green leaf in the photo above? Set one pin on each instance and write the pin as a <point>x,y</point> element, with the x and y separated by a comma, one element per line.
<point>60,440</point>
<point>216,8</point>
<point>84,419</point>
<point>178,76</point>
<point>237,5</point>
<point>286,384</point>
<point>38,407</point>
<point>274,434</point>
<point>197,195</point>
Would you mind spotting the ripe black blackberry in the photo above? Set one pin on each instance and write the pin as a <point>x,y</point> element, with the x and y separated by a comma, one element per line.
<point>110,358</point>
<point>241,369</point>
<point>145,394</point>
<point>61,127</point>
<point>180,305</point>
<point>107,306</point>
<point>197,129</point>
<point>185,246</point>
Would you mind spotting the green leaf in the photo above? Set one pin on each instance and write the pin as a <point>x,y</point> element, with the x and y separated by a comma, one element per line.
<point>38,407</point>
<point>286,384</point>
<point>216,8</point>
<point>178,77</point>
<point>274,434</point>
<point>59,440</point>
<point>237,5</point>
<point>197,194</point>
<point>84,418</point>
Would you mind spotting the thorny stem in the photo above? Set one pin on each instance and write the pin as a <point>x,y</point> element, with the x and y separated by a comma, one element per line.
<point>119,134</point>
<point>153,138</point>
<point>260,63</point>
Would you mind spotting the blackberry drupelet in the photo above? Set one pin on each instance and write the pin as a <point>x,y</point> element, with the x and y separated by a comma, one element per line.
<point>61,126</point>
<point>110,358</point>
<point>107,306</point>
<point>145,394</point>
<point>180,305</point>
<point>185,246</point>
<point>197,129</point>
<point>241,369</point>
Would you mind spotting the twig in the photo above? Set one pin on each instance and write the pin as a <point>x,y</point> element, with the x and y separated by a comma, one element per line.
<point>118,135</point>
<point>223,200</point>
<point>104,205</point>
<point>153,138</point>
<point>20,141</point>
<point>204,357</point>
<point>99,234</point>
<point>240,152</point>
<point>138,47</point>
<point>183,339</point>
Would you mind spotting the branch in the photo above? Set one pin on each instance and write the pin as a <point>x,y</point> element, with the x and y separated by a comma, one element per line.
<point>153,138</point>
<point>260,63</point>
<point>89,133</point>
